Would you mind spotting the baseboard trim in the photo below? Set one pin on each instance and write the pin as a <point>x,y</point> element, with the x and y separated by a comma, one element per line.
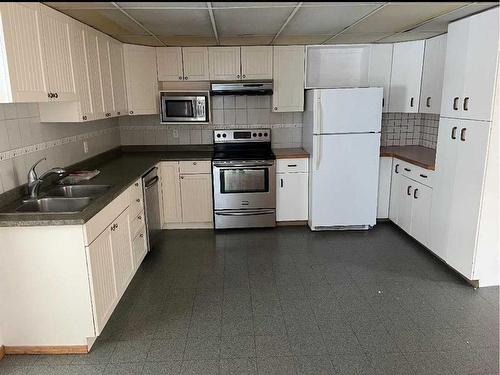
<point>2,352</point>
<point>74,349</point>
<point>291,223</point>
<point>189,226</point>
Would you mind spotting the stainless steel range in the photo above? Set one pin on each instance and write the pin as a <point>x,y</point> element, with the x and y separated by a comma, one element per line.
<point>244,179</point>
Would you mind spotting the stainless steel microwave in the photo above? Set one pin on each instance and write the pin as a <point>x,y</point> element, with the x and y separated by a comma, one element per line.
<point>189,107</point>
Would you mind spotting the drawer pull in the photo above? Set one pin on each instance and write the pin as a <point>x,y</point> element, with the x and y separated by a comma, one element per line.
<point>292,165</point>
<point>423,175</point>
<point>408,190</point>
<point>194,163</point>
<point>462,134</point>
<point>137,200</point>
<point>396,168</point>
<point>454,133</point>
<point>415,193</point>
<point>136,184</point>
<point>455,103</point>
<point>141,235</point>
<point>407,169</point>
<point>281,182</point>
<point>139,217</point>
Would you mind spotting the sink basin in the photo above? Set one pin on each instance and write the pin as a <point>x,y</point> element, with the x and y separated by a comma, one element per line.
<point>77,191</point>
<point>54,205</point>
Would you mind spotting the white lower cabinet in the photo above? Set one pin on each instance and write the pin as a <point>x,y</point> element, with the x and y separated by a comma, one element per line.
<point>186,194</point>
<point>292,187</point>
<point>384,187</point>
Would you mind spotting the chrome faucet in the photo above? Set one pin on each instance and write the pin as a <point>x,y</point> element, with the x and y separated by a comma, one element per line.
<point>34,181</point>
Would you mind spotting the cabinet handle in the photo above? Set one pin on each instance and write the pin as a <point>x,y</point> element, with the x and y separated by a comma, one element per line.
<point>141,235</point>
<point>291,165</point>
<point>466,103</point>
<point>186,78</point>
<point>428,102</point>
<point>180,78</point>
<point>407,169</point>
<point>182,177</point>
<point>423,175</point>
<point>139,217</point>
<point>136,184</point>
<point>194,163</point>
<point>49,94</point>
<point>462,134</point>
<point>244,76</point>
<point>455,103</point>
<point>275,108</point>
<point>84,117</point>
<point>411,102</point>
<point>137,200</point>
<point>454,133</point>
<point>415,193</point>
<point>237,76</point>
<point>281,182</point>
<point>56,96</point>
<point>408,192</point>
<point>383,102</point>
<point>118,113</point>
<point>396,168</point>
<point>131,112</point>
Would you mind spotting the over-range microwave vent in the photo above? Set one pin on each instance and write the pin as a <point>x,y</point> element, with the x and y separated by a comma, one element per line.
<point>242,88</point>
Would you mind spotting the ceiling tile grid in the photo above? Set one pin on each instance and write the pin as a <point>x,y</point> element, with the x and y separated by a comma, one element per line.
<point>263,23</point>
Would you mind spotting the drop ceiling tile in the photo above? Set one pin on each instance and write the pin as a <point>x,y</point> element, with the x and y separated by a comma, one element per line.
<point>357,38</point>
<point>80,5</point>
<point>254,21</point>
<point>189,41</point>
<point>168,22</point>
<point>254,4</point>
<point>259,40</point>
<point>396,17</point>
<point>404,37</point>
<point>162,5</point>
<point>144,40</point>
<point>300,39</point>
<point>325,19</point>
<point>109,21</point>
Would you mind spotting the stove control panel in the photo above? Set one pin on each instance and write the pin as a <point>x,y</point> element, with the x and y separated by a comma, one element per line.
<point>242,135</point>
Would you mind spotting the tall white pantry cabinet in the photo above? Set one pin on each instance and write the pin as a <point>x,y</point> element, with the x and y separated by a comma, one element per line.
<point>463,218</point>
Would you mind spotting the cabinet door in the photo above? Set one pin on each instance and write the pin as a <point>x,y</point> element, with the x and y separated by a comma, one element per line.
<point>421,213</point>
<point>196,198</point>
<point>118,78</point>
<point>169,63</point>
<point>24,53</point>
<point>122,252</point>
<point>443,185</point>
<point>171,193</point>
<point>105,71</point>
<point>379,71</point>
<point>454,68</point>
<point>432,74</point>
<point>288,79</point>
<point>406,76</point>
<point>224,63</point>
<point>92,53</point>
<point>481,66</point>
<point>195,63</point>
<point>384,187</point>
<point>472,144</point>
<point>141,79</point>
<point>257,62</point>
<point>407,188</point>
<point>397,191</point>
<point>56,41</point>
<point>103,284</point>
<point>292,196</point>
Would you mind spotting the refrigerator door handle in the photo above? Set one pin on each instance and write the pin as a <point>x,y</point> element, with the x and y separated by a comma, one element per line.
<point>320,117</point>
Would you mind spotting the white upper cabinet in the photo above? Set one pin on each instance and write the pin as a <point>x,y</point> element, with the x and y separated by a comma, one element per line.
<point>141,78</point>
<point>470,67</point>
<point>22,64</point>
<point>224,63</point>
<point>257,62</point>
<point>379,70</point>
<point>432,74</point>
<point>195,63</point>
<point>94,74</point>
<point>337,66</point>
<point>407,62</point>
<point>56,42</point>
<point>105,75</point>
<point>118,78</point>
<point>169,63</point>
<point>288,82</point>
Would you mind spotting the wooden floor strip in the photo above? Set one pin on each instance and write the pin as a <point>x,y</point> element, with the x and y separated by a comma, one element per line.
<point>2,352</point>
<point>46,349</point>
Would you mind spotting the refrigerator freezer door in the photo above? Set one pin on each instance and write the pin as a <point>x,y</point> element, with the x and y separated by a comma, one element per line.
<point>357,110</point>
<point>344,180</point>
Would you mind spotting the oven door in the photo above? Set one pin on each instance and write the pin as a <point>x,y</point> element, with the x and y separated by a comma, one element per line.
<point>248,184</point>
<point>183,108</point>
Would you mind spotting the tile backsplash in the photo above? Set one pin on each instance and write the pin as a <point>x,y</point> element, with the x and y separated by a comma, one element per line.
<point>229,111</point>
<point>402,129</point>
<point>24,140</point>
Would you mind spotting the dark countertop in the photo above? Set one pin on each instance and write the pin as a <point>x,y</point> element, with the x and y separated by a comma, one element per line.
<point>422,156</point>
<point>119,168</point>
<point>290,153</point>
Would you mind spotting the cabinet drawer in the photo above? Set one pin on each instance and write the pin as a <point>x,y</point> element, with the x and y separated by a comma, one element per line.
<point>136,191</point>
<point>292,165</point>
<point>194,166</point>
<point>136,223</point>
<point>139,246</point>
<point>414,172</point>
<point>136,206</point>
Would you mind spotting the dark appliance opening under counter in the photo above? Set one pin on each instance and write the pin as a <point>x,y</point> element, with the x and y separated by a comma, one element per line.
<point>244,181</point>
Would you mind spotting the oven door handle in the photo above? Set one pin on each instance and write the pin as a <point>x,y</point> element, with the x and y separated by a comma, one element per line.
<point>229,166</point>
<point>249,213</point>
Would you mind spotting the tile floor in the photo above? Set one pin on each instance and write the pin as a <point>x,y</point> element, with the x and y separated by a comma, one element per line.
<point>289,301</point>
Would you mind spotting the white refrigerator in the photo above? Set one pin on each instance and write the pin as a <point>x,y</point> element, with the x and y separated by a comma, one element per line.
<point>341,132</point>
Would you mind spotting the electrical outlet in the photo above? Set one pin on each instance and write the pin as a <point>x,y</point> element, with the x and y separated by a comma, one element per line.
<point>176,133</point>
<point>85,147</point>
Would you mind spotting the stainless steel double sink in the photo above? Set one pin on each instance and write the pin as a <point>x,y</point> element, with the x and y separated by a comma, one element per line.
<point>63,199</point>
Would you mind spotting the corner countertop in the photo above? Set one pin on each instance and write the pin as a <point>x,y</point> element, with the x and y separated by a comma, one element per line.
<point>119,168</point>
<point>418,155</point>
<point>290,153</point>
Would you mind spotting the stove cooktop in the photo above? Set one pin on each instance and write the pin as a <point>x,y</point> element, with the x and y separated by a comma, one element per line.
<point>243,144</point>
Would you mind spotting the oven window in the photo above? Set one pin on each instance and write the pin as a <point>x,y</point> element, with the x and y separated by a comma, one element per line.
<point>179,108</point>
<point>244,180</point>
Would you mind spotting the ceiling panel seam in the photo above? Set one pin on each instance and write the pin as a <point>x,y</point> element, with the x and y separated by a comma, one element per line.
<point>139,24</point>
<point>212,20</point>
<point>294,11</point>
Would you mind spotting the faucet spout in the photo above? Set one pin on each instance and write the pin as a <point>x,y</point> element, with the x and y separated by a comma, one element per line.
<point>34,181</point>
